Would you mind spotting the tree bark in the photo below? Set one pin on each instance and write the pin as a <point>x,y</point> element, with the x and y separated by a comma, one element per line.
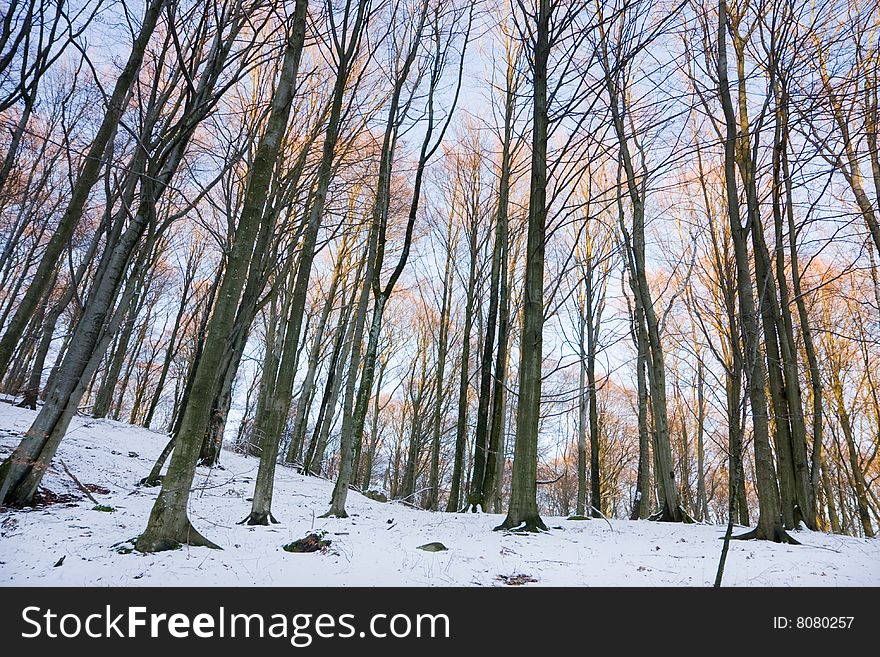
<point>169,525</point>
<point>522,513</point>
<point>769,524</point>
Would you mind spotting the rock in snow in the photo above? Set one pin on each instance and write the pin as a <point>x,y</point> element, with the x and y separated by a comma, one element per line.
<point>433,547</point>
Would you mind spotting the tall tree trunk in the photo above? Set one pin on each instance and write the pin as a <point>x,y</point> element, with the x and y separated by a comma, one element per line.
<point>806,476</point>
<point>642,503</point>
<point>595,454</point>
<point>702,502</point>
<point>374,431</point>
<point>408,487</point>
<point>169,525</point>
<point>439,380</point>
<point>806,335</point>
<point>670,510</point>
<point>769,524</point>
<point>282,389</point>
<point>476,498</point>
<point>461,427</point>
<point>581,503</point>
<point>522,513</point>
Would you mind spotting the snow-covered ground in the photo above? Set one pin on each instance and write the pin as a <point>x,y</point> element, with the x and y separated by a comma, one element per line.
<point>376,546</point>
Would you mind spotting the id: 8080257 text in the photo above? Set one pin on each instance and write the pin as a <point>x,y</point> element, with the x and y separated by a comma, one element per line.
<point>813,622</point>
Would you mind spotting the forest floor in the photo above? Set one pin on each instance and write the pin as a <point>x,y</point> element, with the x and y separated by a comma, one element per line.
<point>70,543</point>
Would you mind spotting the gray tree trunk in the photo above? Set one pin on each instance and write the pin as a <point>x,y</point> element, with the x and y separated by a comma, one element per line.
<point>769,524</point>
<point>461,427</point>
<point>169,525</point>
<point>522,513</point>
<point>433,501</point>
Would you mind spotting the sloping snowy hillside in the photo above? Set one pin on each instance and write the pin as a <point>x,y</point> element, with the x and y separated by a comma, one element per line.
<point>377,546</point>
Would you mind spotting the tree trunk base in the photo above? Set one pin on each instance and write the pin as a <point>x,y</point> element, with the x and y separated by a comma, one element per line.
<point>19,495</point>
<point>264,519</point>
<point>668,515</point>
<point>532,524</point>
<point>801,518</point>
<point>335,513</point>
<point>778,535</point>
<point>28,400</point>
<point>155,477</point>
<point>171,539</point>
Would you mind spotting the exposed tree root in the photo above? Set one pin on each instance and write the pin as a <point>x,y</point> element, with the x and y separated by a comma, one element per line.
<point>159,541</point>
<point>666,515</point>
<point>532,524</point>
<point>259,519</point>
<point>779,535</point>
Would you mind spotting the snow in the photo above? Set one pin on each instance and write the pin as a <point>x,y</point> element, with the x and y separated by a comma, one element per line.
<point>376,546</point>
